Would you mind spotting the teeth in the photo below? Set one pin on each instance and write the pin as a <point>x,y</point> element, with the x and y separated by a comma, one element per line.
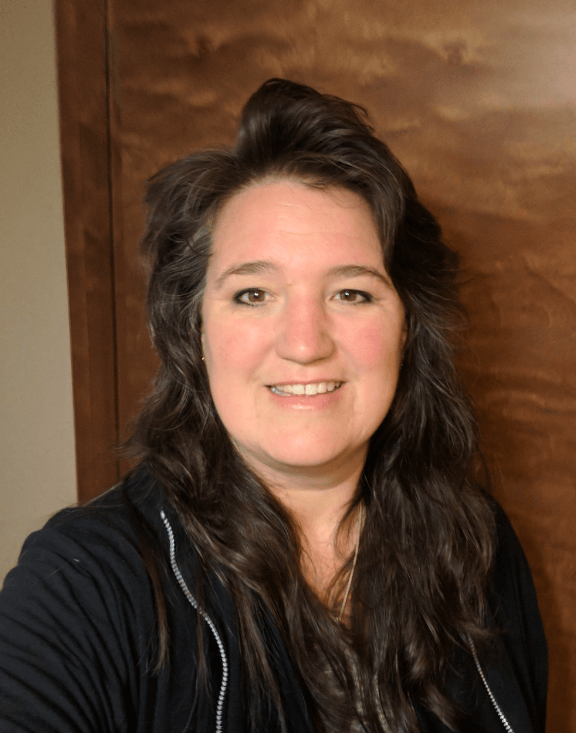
<point>306,389</point>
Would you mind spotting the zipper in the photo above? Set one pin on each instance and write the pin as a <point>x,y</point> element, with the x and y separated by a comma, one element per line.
<point>225,672</point>
<point>213,629</point>
<point>493,700</point>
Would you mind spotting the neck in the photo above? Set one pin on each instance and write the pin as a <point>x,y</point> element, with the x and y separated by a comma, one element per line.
<point>317,500</point>
<point>319,507</point>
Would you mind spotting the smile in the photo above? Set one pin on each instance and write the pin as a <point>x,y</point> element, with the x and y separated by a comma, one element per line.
<point>306,390</point>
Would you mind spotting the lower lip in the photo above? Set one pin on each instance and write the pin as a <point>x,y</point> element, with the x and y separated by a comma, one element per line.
<point>312,402</point>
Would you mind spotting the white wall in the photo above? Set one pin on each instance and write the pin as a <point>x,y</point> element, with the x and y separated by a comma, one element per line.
<point>37,465</point>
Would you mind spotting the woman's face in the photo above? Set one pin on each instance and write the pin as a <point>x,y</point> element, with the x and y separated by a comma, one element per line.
<point>303,330</point>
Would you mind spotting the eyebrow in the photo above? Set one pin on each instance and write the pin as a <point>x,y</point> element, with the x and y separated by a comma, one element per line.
<point>359,271</point>
<point>259,266</point>
<point>248,268</point>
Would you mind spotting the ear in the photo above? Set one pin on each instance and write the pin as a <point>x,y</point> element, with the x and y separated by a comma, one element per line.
<point>202,346</point>
<point>404,333</point>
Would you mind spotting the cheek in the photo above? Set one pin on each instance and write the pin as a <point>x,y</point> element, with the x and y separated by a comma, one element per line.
<point>231,348</point>
<point>377,347</point>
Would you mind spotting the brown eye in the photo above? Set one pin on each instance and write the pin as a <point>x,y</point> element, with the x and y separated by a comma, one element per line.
<point>251,297</point>
<point>348,295</point>
<point>354,296</point>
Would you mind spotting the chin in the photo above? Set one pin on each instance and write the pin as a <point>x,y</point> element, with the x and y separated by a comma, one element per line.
<point>307,458</point>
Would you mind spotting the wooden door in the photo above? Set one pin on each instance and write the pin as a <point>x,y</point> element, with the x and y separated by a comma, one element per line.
<point>478,100</point>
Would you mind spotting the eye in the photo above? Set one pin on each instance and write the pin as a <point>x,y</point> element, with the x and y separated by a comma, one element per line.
<point>252,296</point>
<point>355,297</point>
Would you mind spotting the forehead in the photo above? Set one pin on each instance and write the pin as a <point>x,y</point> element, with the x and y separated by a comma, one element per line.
<point>285,220</point>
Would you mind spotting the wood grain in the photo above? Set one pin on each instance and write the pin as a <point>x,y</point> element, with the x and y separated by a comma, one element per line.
<point>84,125</point>
<point>477,100</point>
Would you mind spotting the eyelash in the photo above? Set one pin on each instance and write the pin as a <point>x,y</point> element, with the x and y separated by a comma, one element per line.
<point>366,297</point>
<point>238,298</point>
<point>249,291</point>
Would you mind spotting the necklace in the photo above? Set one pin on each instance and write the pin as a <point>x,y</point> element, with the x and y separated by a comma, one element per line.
<point>349,584</point>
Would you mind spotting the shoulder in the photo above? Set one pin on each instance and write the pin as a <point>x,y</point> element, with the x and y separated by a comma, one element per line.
<point>92,549</point>
<point>77,615</point>
<point>514,606</point>
<point>511,583</point>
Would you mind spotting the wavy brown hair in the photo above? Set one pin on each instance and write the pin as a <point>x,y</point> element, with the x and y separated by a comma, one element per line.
<point>427,543</point>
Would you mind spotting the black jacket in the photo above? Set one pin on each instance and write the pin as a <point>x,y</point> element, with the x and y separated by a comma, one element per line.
<point>77,636</point>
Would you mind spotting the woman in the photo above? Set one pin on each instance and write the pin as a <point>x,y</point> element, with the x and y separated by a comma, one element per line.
<point>303,546</point>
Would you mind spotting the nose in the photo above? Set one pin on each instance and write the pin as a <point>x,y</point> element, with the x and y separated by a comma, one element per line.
<point>304,332</point>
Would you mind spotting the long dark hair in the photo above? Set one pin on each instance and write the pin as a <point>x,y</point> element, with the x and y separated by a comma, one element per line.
<point>427,542</point>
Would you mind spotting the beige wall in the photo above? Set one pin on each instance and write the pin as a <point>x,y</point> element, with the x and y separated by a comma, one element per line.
<point>37,469</point>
